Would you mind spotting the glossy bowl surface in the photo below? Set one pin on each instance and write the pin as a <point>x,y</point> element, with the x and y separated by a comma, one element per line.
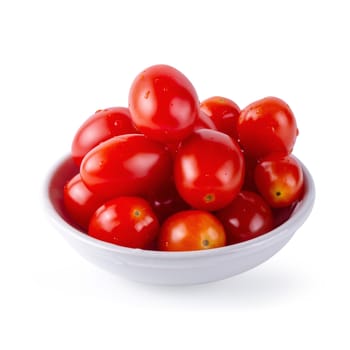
<point>171,268</point>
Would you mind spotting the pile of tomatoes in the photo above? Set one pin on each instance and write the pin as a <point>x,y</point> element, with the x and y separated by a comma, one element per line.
<point>173,173</point>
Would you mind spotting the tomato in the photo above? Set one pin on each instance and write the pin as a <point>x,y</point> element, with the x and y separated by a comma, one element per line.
<point>280,215</point>
<point>208,169</point>
<point>246,217</point>
<point>267,126</point>
<point>101,126</point>
<point>166,201</point>
<point>204,122</point>
<point>126,165</point>
<point>80,203</point>
<point>163,104</point>
<point>125,221</point>
<point>249,181</point>
<point>163,172</point>
<point>191,230</point>
<point>224,113</point>
<point>279,179</point>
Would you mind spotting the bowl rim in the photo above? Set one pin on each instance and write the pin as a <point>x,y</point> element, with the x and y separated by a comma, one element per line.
<point>297,218</point>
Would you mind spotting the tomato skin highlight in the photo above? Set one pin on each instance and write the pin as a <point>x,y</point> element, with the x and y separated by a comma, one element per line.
<point>126,165</point>
<point>163,104</point>
<point>191,230</point>
<point>125,221</point>
<point>267,126</point>
<point>80,203</point>
<point>246,217</point>
<point>101,126</point>
<point>208,169</point>
<point>279,180</point>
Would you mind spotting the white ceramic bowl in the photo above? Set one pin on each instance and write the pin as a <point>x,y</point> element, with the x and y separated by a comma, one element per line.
<point>172,268</point>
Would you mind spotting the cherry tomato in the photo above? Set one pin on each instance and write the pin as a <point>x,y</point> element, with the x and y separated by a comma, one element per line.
<point>224,113</point>
<point>267,126</point>
<point>126,165</point>
<point>279,179</point>
<point>126,221</point>
<point>249,181</point>
<point>280,215</point>
<point>163,104</point>
<point>209,169</point>
<point>80,202</point>
<point>166,201</point>
<point>191,230</point>
<point>101,126</point>
<point>246,217</point>
<point>204,122</point>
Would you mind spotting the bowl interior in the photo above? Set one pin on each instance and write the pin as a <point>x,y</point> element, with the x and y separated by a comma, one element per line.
<point>171,268</point>
<point>66,169</point>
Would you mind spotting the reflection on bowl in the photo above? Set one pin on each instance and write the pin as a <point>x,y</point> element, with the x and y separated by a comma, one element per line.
<point>173,268</point>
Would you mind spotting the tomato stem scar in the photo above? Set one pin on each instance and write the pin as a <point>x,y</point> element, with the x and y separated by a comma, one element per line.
<point>209,197</point>
<point>137,213</point>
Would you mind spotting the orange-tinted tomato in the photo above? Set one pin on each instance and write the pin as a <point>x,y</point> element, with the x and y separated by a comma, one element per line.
<point>279,179</point>
<point>191,230</point>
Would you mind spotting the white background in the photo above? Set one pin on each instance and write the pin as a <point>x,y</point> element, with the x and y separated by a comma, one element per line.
<point>62,60</point>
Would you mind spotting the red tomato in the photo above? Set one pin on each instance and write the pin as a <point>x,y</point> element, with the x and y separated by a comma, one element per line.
<point>224,113</point>
<point>80,202</point>
<point>280,215</point>
<point>267,126</point>
<point>126,221</point>
<point>209,169</point>
<point>126,165</point>
<point>166,202</point>
<point>279,179</point>
<point>204,122</point>
<point>191,230</point>
<point>163,104</point>
<point>249,182</point>
<point>246,217</point>
<point>101,126</point>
